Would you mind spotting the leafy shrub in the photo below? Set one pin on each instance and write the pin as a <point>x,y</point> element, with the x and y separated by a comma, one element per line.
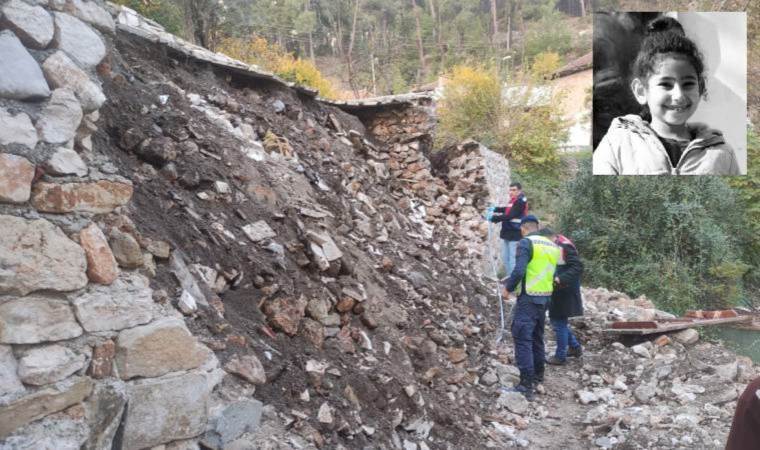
<point>524,129</point>
<point>545,64</point>
<point>548,34</point>
<point>675,240</point>
<point>257,51</point>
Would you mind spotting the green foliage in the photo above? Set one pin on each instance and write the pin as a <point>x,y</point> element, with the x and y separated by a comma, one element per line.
<point>544,64</point>
<point>675,240</point>
<point>473,107</point>
<point>165,12</point>
<point>549,34</point>
<point>748,191</point>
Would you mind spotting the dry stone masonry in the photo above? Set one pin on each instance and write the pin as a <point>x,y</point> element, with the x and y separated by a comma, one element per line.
<point>80,334</point>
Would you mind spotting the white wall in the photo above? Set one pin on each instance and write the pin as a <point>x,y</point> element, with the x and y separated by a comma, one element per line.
<point>722,38</point>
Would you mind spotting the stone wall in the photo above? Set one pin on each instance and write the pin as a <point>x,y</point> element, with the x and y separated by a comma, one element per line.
<point>81,336</point>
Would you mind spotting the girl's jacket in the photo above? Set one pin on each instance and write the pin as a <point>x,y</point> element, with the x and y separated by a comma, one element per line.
<point>631,147</point>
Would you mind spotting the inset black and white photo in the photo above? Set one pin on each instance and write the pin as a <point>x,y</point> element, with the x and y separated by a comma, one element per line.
<point>670,93</point>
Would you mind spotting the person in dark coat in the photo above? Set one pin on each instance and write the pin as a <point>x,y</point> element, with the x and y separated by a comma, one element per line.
<point>566,299</point>
<point>745,429</point>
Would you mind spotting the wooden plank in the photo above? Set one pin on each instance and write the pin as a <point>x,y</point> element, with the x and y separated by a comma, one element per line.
<point>674,326</point>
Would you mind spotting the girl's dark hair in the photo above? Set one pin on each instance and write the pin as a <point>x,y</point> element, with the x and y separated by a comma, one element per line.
<point>665,35</point>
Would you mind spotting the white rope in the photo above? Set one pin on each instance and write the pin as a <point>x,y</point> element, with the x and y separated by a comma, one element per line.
<point>495,275</point>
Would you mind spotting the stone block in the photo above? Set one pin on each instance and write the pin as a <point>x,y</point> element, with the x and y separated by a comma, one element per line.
<point>97,197</point>
<point>36,255</point>
<point>32,24</point>
<point>42,403</point>
<point>126,303</point>
<point>165,409</point>
<point>78,40</point>
<point>59,120</point>
<point>101,264</point>
<point>45,365</point>
<point>17,129</point>
<point>16,175</point>
<point>158,348</point>
<point>20,75</point>
<point>34,319</point>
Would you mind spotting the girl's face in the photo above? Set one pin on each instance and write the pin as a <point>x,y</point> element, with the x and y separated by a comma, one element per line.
<point>671,92</point>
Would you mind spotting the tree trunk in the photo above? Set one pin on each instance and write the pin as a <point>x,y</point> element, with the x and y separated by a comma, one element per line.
<point>583,7</point>
<point>494,23</point>
<point>431,6</point>
<point>349,58</point>
<point>422,73</point>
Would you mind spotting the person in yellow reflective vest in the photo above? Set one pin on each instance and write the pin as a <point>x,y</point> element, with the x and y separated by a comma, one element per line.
<point>537,259</point>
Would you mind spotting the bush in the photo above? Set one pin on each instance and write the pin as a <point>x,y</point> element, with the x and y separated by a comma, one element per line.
<point>549,34</point>
<point>676,240</point>
<point>271,57</point>
<point>545,64</point>
<point>523,129</point>
<point>166,13</point>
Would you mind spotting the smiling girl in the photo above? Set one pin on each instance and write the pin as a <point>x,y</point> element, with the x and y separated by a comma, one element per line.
<point>669,82</point>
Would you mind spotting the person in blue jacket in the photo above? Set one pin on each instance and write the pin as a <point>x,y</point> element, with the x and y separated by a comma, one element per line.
<point>509,216</point>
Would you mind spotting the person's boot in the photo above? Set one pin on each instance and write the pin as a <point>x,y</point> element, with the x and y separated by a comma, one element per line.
<point>575,352</point>
<point>525,387</point>
<point>539,377</point>
<point>556,361</point>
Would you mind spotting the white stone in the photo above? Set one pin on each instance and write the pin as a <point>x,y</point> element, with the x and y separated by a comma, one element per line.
<point>644,393</point>
<point>60,71</point>
<point>36,255</point>
<point>165,409</point>
<point>20,75</point>
<point>514,402</point>
<point>34,319</point>
<point>727,372</point>
<point>60,118</point>
<point>587,397</point>
<point>187,303</point>
<point>642,351</point>
<point>9,382</point>
<point>32,24</point>
<point>66,162</point>
<point>17,129</point>
<point>221,187</point>
<point>92,13</point>
<point>78,40</point>
<point>45,365</point>
<point>687,336</point>
<point>258,231</point>
<point>124,304</point>
<point>325,413</point>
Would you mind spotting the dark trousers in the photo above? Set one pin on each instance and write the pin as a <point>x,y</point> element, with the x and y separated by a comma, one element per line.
<point>528,334</point>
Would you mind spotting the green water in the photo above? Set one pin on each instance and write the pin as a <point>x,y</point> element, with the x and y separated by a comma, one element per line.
<point>743,342</point>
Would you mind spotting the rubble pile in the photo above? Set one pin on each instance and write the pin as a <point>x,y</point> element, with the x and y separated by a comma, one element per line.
<point>196,254</point>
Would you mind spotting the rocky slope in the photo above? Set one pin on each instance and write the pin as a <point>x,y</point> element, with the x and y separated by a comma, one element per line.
<point>197,255</point>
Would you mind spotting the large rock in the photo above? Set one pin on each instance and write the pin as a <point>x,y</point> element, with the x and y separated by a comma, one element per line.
<point>34,319</point>
<point>45,365</point>
<point>32,24</point>
<point>101,264</point>
<point>17,129</point>
<point>126,249</point>
<point>9,381</point>
<point>165,409</point>
<point>61,72</point>
<point>687,337</point>
<point>36,255</point>
<point>98,197</point>
<point>59,431</point>
<point>65,161</point>
<point>247,367</point>
<point>126,303</point>
<point>103,410</point>
<point>78,40</point>
<point>59,121</point>
<point>258,231</point>
<point>42,403</point>
<point>20,75</point>
<point>158,348</point>
<point>237,418</point>
<point>285,313</point>
<point>92,13</point>
<point>16,175</point>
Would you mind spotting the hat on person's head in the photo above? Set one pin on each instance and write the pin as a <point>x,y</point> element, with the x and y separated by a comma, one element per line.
<point>529,218</point>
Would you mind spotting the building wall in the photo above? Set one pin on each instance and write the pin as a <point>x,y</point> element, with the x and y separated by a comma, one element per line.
<point>574,108</point>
